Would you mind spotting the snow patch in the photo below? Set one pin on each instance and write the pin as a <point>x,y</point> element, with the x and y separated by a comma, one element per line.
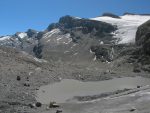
<point>75,54</point>
<point>66,52</point>
<point>30,73</point>
<point>69,41</point>
<point>40,60</point>
<point>52,32</point>
<point>49,40</point>
<point>59,39</point>
<point>92,52</point>
<point>101,42</point>
<point>94,59</point>
<point>38,69</point>
<point>77,17</point>
<point>22,35</point>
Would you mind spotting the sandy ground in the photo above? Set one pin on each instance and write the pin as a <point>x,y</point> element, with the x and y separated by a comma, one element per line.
<point>136,101</point>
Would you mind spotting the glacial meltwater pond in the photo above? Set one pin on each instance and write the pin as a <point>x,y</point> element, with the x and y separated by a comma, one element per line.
<point>68,88</point>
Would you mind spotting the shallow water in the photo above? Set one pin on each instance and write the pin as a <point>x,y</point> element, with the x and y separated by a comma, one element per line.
<point>68,88</point>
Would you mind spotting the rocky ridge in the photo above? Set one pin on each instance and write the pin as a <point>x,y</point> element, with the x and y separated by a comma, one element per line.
<point>73,48</point>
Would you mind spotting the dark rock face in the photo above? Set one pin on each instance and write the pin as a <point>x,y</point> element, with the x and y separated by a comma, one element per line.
<point>31,33</point>
<point>38,50</point>
<point>143,44</point>
<point>84,28</point>
<point>39,35</point>
<point>127,13</point>
<point>86,25</point>
<point>146,46</point>
<point>143,37</point>
<point>111,15</point>
<point>104,53</point>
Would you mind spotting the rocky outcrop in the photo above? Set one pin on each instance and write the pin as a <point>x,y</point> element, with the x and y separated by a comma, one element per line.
<point>111,15</point>
<point>38,50</point>
<point>21,40</point>
<point>103,53</point>
<point>143,37</point>
<point>32,33</point>
<point>85,25</point>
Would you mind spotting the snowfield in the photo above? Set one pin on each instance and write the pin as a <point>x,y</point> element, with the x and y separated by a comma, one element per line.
<point>127,26</point>
<point>4,38</point>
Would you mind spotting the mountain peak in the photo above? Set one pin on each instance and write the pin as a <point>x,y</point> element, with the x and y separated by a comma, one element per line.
<point>111,15</point>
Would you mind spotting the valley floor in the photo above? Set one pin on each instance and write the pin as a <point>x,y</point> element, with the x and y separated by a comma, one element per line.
<point>18,95</point>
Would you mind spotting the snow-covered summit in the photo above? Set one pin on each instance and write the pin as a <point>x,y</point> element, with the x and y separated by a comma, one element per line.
<point>22,35</point>
<point>127,26</point>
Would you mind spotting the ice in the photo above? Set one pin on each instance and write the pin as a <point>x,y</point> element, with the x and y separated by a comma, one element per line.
<point>127,26</point>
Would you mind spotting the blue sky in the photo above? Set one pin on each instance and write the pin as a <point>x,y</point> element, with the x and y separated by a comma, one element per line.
<point>19,15</point>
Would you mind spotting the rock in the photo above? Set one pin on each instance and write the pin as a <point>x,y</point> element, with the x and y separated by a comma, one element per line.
<point>27,78</point>
<point>38,50</point>
<point>59,111</point>
<point>18,78</point>
<point>138,86</point>
<point>31,106</point>
<point>133,109</point>
<point>26,84</point>
<point>146,68</point>
<point>39,35</point>
<point>136,70</point>
<point>111,15</point>
<point>32,33</point>
<point>38,104</point>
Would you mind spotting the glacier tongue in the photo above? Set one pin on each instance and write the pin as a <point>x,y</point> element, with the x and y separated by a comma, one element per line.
<point>127,26</point>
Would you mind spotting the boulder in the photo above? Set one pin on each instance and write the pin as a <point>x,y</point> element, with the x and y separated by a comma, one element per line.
<point>18,78</point>
<point>59,111</point>
<point>38,104</point>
